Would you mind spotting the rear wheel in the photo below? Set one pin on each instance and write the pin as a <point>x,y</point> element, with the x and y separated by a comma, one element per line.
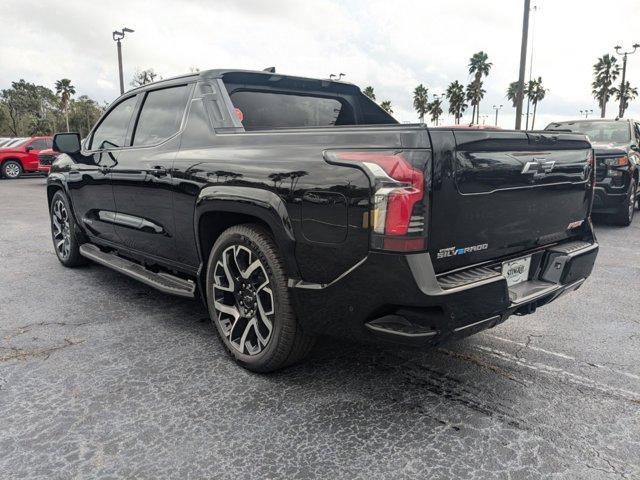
<point>11,169</point>
<point>624,215</point>
<point>65,241</point>
<point>249,301</point>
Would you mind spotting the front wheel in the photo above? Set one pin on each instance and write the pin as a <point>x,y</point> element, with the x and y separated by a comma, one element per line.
<point>624,216</point>
<point>65,241</point>
<point>249,301</point>
<point>11,169</point>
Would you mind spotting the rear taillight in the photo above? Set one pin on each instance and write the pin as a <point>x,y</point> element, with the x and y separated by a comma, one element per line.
<point>398,213</point>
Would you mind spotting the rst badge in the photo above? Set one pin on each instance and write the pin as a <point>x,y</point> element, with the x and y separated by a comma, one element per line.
<point>539,167</point>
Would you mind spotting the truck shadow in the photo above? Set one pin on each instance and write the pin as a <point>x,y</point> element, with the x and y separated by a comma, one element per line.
<point>348,380</point>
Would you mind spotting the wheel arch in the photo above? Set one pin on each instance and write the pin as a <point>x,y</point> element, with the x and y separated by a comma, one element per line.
<point>9,159</point>
<point>221,207</point>
<point>52,188</point>
<point>55,184</point>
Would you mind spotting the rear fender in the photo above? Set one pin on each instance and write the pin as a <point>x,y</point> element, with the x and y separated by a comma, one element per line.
<point>261,204</point>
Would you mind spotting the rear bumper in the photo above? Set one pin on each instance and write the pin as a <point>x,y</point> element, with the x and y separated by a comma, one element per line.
<point>399,299</point>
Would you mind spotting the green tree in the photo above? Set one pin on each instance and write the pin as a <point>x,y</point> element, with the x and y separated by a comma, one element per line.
<point>536,93</point>
<point>474,94</point>
<point>386,106</point>
<point>142,77</point>
<point>455,96</point>
<point>421,101</point>
<point>435,109</point>
<point>605,72</point>
<point>479,67</point>
<point>21,102</point>
<point>368,91</point>
<point>630,93</point>
<point>66,91</point>
<point>84,113</point>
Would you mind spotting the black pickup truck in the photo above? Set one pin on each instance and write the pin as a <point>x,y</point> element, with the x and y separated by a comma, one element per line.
<point>616,145</point>
<point>297,207</point>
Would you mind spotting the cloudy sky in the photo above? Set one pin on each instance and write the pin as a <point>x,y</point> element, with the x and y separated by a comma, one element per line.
<point>391,45</point>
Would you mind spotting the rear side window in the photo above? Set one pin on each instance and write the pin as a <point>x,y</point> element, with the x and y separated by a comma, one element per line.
<point>112,130</point>
<point>264,110</point>
<point>161,115</point>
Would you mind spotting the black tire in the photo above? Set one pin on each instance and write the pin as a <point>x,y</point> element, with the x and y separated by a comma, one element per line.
<point>11,170</point>
<point>284,343</point>
<point>626,211</point>
<point>63,229</point>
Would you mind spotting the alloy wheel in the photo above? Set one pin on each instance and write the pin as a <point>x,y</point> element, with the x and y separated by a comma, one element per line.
<point>243,300</point>
<point>12,170</point>
<point>61,229</point>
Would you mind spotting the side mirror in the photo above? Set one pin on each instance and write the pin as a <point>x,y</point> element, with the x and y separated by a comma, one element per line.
<point>28,149</point>
<point>66,143</point>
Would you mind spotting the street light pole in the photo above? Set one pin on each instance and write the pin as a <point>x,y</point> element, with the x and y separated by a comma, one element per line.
<point>533,25</point>
<point>497,109</point>
<point>117,36</point>
<point>523,61</point>
<point>624,75</point>
<point>586,113</point>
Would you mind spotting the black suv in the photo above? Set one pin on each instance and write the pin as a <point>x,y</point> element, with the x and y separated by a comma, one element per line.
<point>617,148</point>
<point>296,207</point>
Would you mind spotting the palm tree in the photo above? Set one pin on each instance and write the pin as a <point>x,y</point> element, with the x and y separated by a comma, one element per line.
<point>420,101</point>
<point>629,94</point>
<point>512,93</point>
<point>435,109</point>
<point>368,91</point>
<point>536,93</point>
<point>605,71</point>
<point>66,91</point>
<point>386,106</point>
<point>455,96</point>
<point>475,92</point>
<point>479,67</point>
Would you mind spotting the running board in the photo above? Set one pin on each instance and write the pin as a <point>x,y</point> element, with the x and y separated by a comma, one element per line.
<point>161,281</point>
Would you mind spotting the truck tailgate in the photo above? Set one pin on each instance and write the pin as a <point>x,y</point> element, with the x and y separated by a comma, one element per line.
<point>499,193</point>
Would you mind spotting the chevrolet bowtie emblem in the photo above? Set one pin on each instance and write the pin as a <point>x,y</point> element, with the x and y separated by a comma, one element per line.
<point>539,167</point>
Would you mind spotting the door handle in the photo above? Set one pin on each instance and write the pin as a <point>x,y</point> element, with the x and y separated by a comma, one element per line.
<point>158,171</point>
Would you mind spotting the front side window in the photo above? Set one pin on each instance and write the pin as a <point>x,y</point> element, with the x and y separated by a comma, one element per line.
<point>39,144</point>
<point>161,115</point>
<point>112,130</point>
<point>265,110</point>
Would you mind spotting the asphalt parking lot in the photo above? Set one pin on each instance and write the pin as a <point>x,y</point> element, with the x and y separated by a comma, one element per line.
<point>102,377</point>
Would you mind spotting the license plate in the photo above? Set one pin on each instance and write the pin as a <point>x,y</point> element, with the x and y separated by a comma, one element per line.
<point>516,271</point>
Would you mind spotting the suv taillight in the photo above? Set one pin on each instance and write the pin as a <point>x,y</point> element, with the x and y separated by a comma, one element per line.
<point>398,213</point>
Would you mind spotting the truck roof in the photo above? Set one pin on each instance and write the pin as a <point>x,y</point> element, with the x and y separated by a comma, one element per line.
<point>222,72</point>
<point>593,120</point>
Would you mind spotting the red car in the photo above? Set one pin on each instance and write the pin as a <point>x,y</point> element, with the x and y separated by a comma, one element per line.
<point>45,159</point>
<point>23,157</point>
